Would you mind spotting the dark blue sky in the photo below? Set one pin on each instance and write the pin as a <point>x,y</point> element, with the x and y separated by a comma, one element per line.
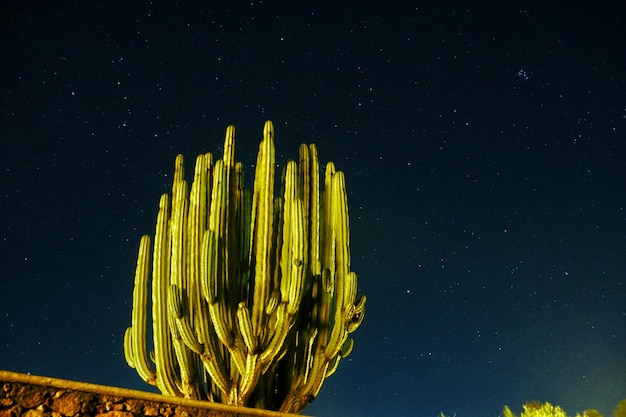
<point>484,148</point>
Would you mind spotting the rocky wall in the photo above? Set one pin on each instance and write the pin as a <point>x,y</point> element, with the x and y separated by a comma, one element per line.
<point>24,395</point>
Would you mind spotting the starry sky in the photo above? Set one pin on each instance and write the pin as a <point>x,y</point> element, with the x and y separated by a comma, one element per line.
<point>484,146</point>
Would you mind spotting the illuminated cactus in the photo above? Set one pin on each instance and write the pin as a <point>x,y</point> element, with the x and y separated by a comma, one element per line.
<point>253,298</point>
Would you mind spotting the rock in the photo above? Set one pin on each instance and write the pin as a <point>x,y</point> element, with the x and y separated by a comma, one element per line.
<point>68,403</point>
<point>116,414</point>
<point>32,396</point>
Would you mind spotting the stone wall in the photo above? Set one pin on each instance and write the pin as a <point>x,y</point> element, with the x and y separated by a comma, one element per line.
<point>24,395</point>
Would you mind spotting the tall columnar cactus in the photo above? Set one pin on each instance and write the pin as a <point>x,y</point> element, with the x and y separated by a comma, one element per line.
<point>253,298</point>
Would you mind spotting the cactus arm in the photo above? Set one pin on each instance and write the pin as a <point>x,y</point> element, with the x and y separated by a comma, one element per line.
<point>163,350</point>
<point>342,258</point>
<point>293,244</point>
<point>262,216</point>
<point>135,349</point>
<point>314,211</point>
<point>245,328</point>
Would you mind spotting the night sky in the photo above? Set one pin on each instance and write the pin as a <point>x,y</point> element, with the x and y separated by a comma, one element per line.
<point>484,147</point>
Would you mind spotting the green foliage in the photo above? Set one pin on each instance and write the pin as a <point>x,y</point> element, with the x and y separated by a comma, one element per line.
<point>590,413</point>
<point>538,409</point>
<point>507,412</point>
<point>620,411</point>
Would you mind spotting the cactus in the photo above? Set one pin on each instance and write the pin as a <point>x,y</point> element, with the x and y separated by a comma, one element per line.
<point>253,299</point>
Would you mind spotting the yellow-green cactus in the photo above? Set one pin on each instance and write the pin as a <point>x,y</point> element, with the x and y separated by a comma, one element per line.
<point>253,298</point>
